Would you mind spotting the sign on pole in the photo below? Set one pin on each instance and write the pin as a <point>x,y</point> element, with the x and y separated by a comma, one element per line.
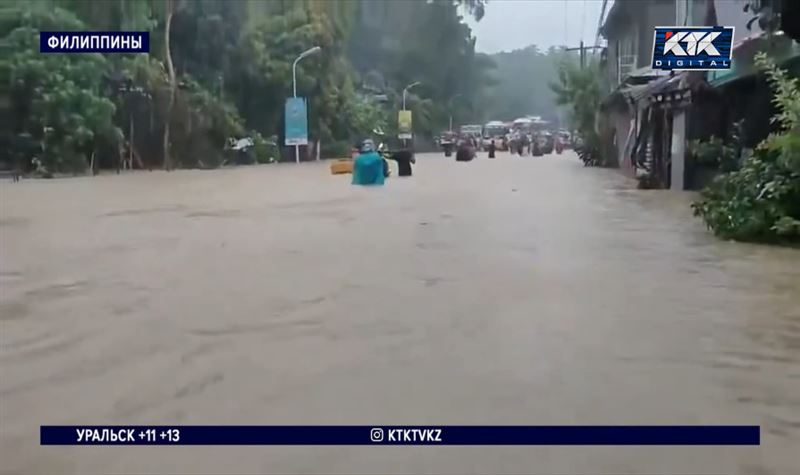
<point>404,124</point>
<point>296,121</point>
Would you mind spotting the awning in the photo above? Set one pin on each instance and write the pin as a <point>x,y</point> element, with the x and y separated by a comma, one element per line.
<point>634,86</point>
<point>783,49</point>
<point>637,93</point>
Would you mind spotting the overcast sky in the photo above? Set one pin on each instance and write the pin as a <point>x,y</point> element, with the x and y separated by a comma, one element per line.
<point>514,24</point>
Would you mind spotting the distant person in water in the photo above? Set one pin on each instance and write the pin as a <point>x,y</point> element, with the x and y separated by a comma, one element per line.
<point>368,167</point>
<point>465,152</point>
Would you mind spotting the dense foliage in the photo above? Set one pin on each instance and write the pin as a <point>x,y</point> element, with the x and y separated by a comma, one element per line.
<point>761,200</point>
<point>581,91</point>
<point>218,69</point>
<point>391,47</point>
<point>57,99</point>
<point>716,153</point>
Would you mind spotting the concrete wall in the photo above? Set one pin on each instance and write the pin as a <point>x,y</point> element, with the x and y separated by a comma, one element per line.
<point>653,13</point>
<point>621,122</point>
<point>678,151</point>
<point>636,20</point>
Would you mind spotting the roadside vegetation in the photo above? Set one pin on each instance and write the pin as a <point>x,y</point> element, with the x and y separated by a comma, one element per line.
<point>219,69</point>
<point>760,199</point>
<point>580,90</point>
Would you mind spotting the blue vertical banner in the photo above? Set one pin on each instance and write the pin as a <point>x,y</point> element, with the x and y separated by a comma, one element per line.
<point>296,121</point>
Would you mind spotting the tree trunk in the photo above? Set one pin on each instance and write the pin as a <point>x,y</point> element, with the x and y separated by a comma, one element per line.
<point>171,71</point>
<point>131,141</point>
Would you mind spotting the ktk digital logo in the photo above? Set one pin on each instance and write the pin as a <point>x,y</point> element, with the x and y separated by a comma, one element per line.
<point>685,48</point>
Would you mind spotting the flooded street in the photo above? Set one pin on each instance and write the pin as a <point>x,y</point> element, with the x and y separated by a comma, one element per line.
<point>514,291</point>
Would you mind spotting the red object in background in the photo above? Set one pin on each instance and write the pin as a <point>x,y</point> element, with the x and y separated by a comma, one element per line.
<point>353,153</point>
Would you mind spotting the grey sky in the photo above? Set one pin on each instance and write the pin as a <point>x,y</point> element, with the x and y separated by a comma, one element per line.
<point>514,24</point>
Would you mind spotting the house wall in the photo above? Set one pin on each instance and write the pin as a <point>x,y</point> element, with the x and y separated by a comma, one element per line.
<point>678,151</point>
<point>653,13</point>
<point>622,126</point>
<point>693,12</point>
<point>633,25</point>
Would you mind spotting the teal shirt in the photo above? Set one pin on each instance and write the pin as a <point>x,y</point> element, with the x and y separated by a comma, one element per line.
<point>368,169</point>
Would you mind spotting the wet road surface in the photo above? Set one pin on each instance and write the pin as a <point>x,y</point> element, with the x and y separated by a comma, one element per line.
<point>513,291</point>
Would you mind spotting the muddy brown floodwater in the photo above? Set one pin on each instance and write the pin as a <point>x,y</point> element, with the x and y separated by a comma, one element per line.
<point>509,291</point>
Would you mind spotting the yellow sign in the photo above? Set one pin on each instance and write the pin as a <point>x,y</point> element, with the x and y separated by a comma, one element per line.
<point>404,124</point>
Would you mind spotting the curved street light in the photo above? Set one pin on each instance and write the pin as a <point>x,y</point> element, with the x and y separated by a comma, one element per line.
<point>306,53</point>
<point>405,90</point>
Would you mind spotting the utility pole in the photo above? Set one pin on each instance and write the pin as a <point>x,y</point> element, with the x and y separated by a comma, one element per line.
<point>582,48</point>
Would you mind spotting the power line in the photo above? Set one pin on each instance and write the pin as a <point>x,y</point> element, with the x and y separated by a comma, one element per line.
<point>583,19</point>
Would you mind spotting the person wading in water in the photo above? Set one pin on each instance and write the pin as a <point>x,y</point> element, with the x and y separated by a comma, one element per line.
<point>404,159</point>
<point>368,167</point>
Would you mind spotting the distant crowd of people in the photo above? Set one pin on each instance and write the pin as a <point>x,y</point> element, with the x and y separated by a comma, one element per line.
<point>370,165</point>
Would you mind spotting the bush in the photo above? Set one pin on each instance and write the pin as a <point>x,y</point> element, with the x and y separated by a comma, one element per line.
<point>761,200</point>
<point>580,89</point>
<point>713,153</point>
<point>265,151</point>
<point>201,125</point>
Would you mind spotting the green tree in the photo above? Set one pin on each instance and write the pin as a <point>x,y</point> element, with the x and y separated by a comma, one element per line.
<point>218,67</point>
<point>266,55</point>
<point>522,83</point>
<point>453,76</point>
<point>581,91</point>
<point>57,99</point>
<point>761,200</point>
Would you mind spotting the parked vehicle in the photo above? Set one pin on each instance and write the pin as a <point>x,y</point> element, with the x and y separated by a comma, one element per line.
<point>497,131</point>
<point>474,130</point>
<point>447,141</point>
<point>546,142</point>
<point>565,138</point>
<point>250,150</point>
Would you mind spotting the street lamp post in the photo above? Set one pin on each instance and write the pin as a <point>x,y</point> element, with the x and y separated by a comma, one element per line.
<point>308,52</point>
<point>405,90</point>
<point>452,99</point>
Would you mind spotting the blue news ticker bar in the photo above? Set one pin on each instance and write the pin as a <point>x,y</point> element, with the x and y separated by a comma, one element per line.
<point>94,42</point>
<point>401,435</point>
